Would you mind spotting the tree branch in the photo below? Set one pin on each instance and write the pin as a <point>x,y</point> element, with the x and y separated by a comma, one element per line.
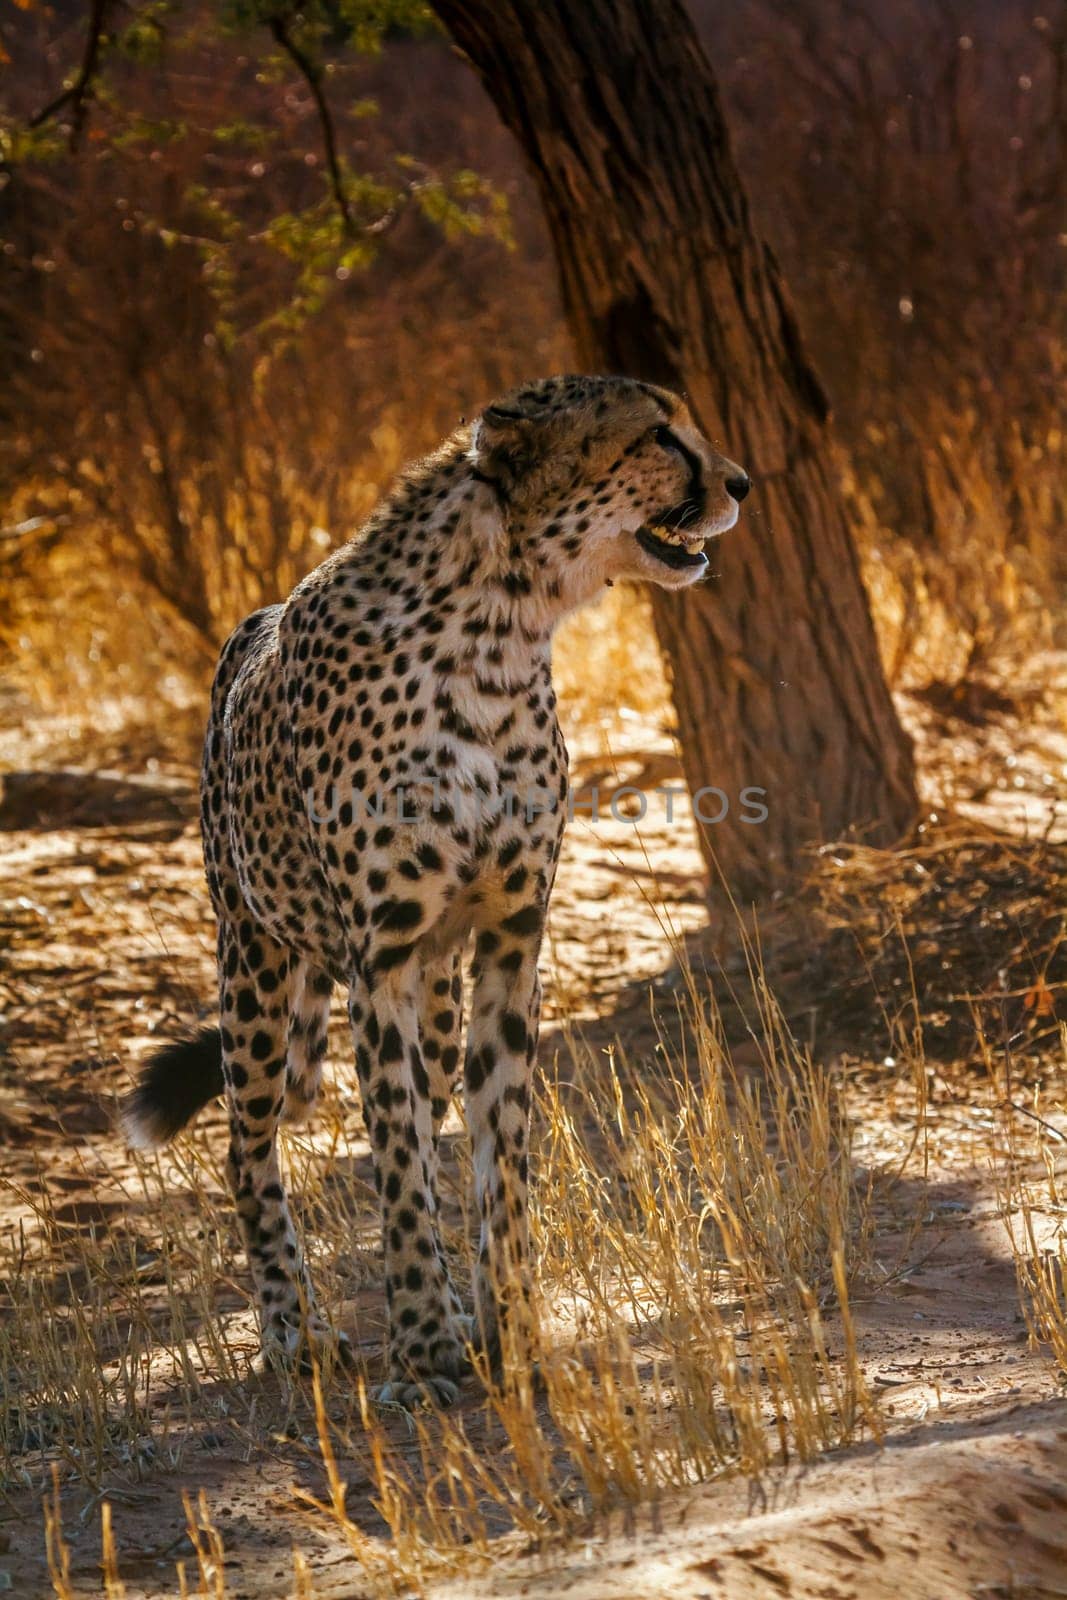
<point>312,75</point>
<point>79,92</point>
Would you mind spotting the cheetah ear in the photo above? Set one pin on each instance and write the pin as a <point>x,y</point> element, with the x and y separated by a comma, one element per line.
<point>506,446</point>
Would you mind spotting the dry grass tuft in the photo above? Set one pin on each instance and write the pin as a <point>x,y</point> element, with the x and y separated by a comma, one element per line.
<point>697,1228</point>
<point>1034,1209</point>
<point>697,1225</point>
<point>972,598</point>
<point>96,1317</point>
<point>959,938</point>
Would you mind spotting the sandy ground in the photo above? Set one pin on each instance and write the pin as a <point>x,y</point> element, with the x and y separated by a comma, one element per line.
<point>105,944</point>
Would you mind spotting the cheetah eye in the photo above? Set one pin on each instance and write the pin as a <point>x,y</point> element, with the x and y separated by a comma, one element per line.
<point>667,440</point>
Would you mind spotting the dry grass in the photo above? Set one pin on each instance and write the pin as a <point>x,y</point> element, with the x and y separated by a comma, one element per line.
<point>159,484</point>
<point>957,938</point>
<point>1041,1264</point>
<point>697,1230</point>
<point>694,1230</point>
<point>1031,1181</point>
<point>976,598</point>
<point>703,1229</point>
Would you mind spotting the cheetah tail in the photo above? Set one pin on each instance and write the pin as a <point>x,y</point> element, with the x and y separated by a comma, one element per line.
<point>172,1087</point>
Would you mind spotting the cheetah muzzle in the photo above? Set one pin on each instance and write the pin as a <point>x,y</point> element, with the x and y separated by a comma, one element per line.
<point>360,739</point>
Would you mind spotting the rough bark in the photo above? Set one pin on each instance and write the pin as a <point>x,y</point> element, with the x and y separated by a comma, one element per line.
<point>774,661</point>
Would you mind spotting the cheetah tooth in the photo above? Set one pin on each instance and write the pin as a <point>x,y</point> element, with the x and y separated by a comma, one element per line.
<point>671,535</point>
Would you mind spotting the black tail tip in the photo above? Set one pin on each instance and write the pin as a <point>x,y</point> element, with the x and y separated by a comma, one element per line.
<point>172,1087</point>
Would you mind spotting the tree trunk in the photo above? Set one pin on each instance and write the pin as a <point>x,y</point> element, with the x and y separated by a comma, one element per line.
<point>774,662</point>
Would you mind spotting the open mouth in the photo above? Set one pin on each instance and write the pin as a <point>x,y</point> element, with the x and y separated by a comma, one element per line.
<point>671,545</point>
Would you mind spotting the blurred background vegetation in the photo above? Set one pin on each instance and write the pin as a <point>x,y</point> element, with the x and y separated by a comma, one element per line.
<point>269,256</point>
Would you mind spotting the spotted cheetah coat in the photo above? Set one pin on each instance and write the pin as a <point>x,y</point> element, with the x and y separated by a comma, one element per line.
<point>385,783</point>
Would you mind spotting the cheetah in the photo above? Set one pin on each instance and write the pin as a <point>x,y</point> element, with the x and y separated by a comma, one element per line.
<point>373,747</point>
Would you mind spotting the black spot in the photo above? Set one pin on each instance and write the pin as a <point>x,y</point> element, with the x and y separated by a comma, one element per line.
<point>399,916</point>
<point>480,1064</point>
<point>528,920</point>
<point>392,1045</point>
<point>513,1028</point>
<point>393,955</point>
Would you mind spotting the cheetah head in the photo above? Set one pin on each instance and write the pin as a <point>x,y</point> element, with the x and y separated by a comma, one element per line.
<point>603,478</point>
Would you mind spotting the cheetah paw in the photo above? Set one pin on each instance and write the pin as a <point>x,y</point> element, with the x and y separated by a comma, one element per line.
<point>332,1349</point>
<point>433,1392</point>
<point>433,1378</point>
<point>301,1349</point>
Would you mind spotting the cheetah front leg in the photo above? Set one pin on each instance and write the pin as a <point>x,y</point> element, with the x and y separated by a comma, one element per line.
<point>501,1045</point>
<point>427,1335</point>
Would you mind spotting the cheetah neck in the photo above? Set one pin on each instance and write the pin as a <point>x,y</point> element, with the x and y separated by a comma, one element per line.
<point>442,541</point>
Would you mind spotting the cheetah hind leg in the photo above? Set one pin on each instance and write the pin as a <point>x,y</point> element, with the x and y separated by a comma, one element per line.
<point>255,985</point>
